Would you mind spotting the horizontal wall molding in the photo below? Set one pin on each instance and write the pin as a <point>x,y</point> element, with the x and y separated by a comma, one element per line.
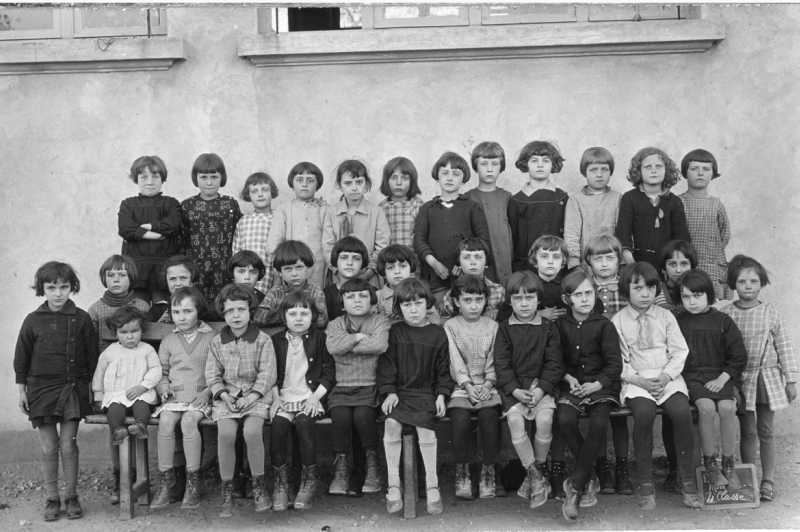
<point>481,42</point>
<point>90,55</point>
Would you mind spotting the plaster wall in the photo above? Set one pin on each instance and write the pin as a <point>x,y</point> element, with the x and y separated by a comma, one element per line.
<point>68,139</point>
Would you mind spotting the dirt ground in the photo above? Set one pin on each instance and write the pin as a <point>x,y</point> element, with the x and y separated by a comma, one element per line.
<point>20,489</point>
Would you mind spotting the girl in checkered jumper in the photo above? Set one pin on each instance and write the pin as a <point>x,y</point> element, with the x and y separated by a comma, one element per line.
<point>403,200</point>
<point>769,380</point>
<point>252,229</point>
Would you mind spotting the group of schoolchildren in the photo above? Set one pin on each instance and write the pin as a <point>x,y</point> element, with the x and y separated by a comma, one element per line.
<point>535,307</point>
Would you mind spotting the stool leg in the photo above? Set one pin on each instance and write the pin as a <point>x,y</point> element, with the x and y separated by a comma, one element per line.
<point>142,472</point>
<point>125,488</point>
<point>410,475</point>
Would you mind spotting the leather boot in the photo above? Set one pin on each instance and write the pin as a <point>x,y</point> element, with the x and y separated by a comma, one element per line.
<point>486,487</point>
<point>358,474</point>
<point>499,489</point>
<point>308,486</point>
<point>191,495</point>
<point>166,486</point>
<point>622,479</point>
<point>372,483</point>
<point>260,496</point>
<point>280,491</point>
<point>226,506</point>
<point>115,488</point>
<point>463,482</point>
<point>603,471</point>
<point>713,475</point>
<point>729,470</point>
<point>341,476</point>
<point>540,487</point>
<point>570,508</point>
<point>176,495</point>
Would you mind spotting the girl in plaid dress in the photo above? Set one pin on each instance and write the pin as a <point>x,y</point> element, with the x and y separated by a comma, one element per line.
<point>252,230</point>
<point>403,200</point>
<point>769,380</point>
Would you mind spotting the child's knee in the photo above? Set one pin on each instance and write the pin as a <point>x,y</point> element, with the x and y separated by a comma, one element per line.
<point>706,407</point>
<point>726,408</point>
<point>516,426</point>
<point>392,429</point>
<point>253,430</point>
<point>189,427</point>
<point>544,423</point>
<point>426,436</point>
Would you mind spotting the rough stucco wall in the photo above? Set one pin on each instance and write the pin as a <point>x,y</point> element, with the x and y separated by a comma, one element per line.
<point>68,140</point>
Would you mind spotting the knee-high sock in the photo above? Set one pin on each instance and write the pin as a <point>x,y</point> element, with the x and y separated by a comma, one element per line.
<point>393,449</point>
<point>193,448</point>
<point>50,470</point>
<point>69,462</point>
<point>524,450</point>
<point>540,448</point>
<point>428,452</point>
<point>166,451</point>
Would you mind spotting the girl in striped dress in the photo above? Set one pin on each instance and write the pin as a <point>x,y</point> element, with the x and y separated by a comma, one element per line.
<point>769,380</point>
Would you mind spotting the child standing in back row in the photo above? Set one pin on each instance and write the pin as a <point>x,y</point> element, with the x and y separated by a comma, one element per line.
<point>403,201</point>
<point>252,230</point>
<point>489,161</point>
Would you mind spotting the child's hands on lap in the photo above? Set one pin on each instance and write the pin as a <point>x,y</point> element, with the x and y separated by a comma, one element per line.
<point>389,403</point>
<point>229,401</point>
<point>536,396</point>
<point>274,407</point>
<point>552,313</point>
<point>484,391</point>
<point>574,385</point>
<point>136,391</point>
<point>243,403</point>
<point>98,407</point>
<point>166,394</point>
<point>202,399</point>
<point>472,390</point>
<point>440,406</point>
<point>791,391</point>
<point>312,407</point>
<point>717,384</point>
<point>589,388</point>
<point>522,396</point>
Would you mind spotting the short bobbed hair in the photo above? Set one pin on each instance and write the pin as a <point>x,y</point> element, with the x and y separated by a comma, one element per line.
<point>406,167</point>
<point>678,246</point>
<point>636,271</point>
<point>186,262</point>
<point>540,148</point>
<point>396,253</point>
<point>455,161</point>
<point>489,150</point>
<point>244,258</point>
<point>355,168</point>
<point>53,272</point>
<point>671,172</point>
<point>124,315</point>
<point>119,262</point>
<point>469,284</point>
<point>209,163</point>
<point>349,244</point>
<point>600,245</point>
<point>743,262</point>
<point>259,178</point>
<point>597,155</point>
<point>572,281</point>
<point>357,285</point>
<point>474,243</point>
<point>189,292</point>
<point>697,281</point>
<point>548,243</point>
<point>305,168</point>
<point>236,292</point>
<point>410,290</point>
<point>525,282</point>
<point>148,162</point>
<point>700,156</point>
<point>289,252</point>
<point>297,299</point>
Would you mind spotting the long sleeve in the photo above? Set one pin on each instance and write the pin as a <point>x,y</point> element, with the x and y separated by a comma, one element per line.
<point>724,226</point>
<point>24,351</point>
<point>680,229</point>
<point>328,235</point>
<point>327,377</point>
<point>376,341</point>
<point>480,227</point>
<point>267,369</point>
<point>99,374</point>
<point>573,222</point>
<point>169,225</point>
<point>735,350</point>
<point>506,378</point>
<point>421,232</point>
<point>628,371</point>
<point>185,235</point>
<point>164,357</point>
<point>277,232</point>
<point>154,370</point>
<point>215,370</point>
<point>387,368</point>
<point>444,382</point>
<point>612,359</point>
<point>513,215</point>
<point>489,373</point>
<point>238,240</point>
<point>266,314</point>
<point>552,366</point>
<point>322,309</point>
<point>127,226</point>
<point>339,341</point>
<point>458,369</point>
<point>677,350</point>
<point>624,230</point>
<point>90,342</point>
<point>784,348</point>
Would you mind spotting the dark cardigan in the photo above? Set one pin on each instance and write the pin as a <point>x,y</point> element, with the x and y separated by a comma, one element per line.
<point>321,367</point>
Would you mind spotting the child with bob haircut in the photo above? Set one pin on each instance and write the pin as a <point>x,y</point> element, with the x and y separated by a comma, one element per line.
<point>356,340</point>
<point>769,381</point>
<point>179,271</point>
<point>403,201</point>
<point>444,222</point>
<point>150,226</point>
<point>473,256</point>
<point>649,214</point>
<point>186,399</point>
<point>591,385</point>
<point>349,256</point>
<point>306,373</point>
<point>538,209</point>
<point>252,230</point>
<point>241,371</point>
<point>470,337</point>
<point>706,218</point>
<point>396,263</point>
<point>489,161</point>
<point>528,365</point>
<point>247,268</point>
<point>594,211</point>
<point>677,257</point>
<point>126,376</point>
<point>294,261</point>
<point>414,380</point>
<point>653,356</point>
<point>118,275</point>
<point>355,215</point>
<point>717,356</point>
<point>302,218</point>
<point>54,361</point>
<point>209,223</point>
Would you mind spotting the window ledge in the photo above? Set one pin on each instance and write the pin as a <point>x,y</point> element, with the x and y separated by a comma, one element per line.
<point>481,42</point>
<point>89,55</point>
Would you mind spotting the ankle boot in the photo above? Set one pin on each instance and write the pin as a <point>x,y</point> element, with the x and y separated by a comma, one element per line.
<point>622,480</point>
<point>308,486</point>
<point>729,470</point>
<point>226,493</point>
<point>260,496</point>
<point>239,489</point>
<point>540,487</point>
<point>499,488</point>
<point>166,486</point>
<point>558,473</point>
<point>588,497</point>
<point>486,488</point>
<point>358,474</point>
<point>463,482</point>
<point>280,491</point>
<point>604,476</point>
<point>191,495</point>
<point>52,509</point>
<point>115,488</point>
<point>713,474</point>
<point>176,495</point>
<point>372,483</point>
<point>570,509</point>
<point>341,476</point>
